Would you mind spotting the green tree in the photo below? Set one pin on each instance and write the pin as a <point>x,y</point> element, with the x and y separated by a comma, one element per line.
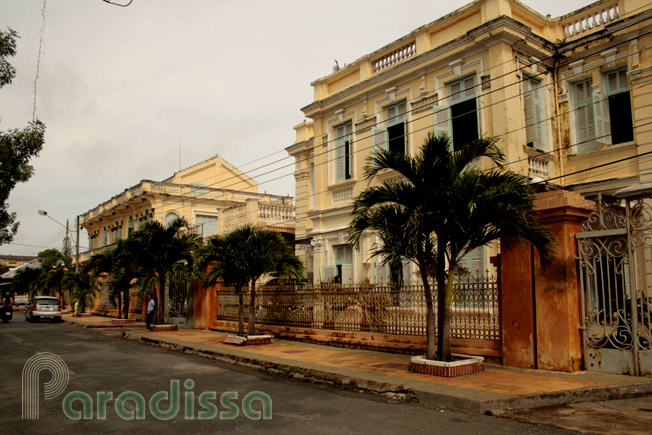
<point>156,249</point>
<point>440,209</point>
<point>26,280</point>
<point>82,286</point>
<point>124,274</point>
<point>242,257</point>
<point>220,259</point>
<point>17,146</point>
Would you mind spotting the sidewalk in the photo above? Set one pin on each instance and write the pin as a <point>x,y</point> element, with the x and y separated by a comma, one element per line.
<point>495,390</point>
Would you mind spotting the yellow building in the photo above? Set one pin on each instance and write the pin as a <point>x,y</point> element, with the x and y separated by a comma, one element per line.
<point>213,196</point>
<point>563,96</point>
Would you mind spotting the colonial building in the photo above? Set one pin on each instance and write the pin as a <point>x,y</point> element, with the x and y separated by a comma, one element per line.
<point>569,99</point>
<point>213,196</point>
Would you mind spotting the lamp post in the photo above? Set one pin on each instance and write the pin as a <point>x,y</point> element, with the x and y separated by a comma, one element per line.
<point>45,213</point>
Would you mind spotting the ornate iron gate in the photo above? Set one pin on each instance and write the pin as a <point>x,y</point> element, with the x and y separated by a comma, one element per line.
<point>178,297</point>
<point>615,262</point>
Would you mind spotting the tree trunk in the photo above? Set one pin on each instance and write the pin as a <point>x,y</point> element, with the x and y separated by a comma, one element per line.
<point>125,305</point>
<point>119,305</point>
<point>240,313</point>
<point>252,309</point>
<point>430,315</point>
<point>443,323</point>
<point>444,296</point>
<point>160,308</point>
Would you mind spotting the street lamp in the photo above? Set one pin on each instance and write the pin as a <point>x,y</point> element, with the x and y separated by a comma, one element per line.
<point>45,213</point>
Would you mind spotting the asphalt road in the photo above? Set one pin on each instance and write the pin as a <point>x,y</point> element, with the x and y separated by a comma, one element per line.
<point>99,362</point>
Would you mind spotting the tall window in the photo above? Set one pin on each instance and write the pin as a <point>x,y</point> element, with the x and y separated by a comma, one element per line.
<point>393,137</point>
<point>459,120</point>
<point>620,107</point>
<point>607,118</point>
<point>343,152</point>
<point>208,224</point>
<point>169,218</point>
<point>342,270</point>
<point>533,108</point>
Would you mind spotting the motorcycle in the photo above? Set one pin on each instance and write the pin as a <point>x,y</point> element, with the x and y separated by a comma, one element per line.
<point>6,313</point>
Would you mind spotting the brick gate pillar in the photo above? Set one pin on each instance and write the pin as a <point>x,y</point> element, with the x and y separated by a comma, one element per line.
<point>541,307</point>
<point>204,306</point>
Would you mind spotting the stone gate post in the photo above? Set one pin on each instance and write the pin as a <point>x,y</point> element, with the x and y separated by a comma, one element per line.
<point>541,306</point>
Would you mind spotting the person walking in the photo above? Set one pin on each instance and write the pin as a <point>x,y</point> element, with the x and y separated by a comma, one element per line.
<point>149,317</point>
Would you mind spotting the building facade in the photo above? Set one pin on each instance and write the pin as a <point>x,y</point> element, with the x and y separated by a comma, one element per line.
<point>569,100</point>
<point>213,196</point>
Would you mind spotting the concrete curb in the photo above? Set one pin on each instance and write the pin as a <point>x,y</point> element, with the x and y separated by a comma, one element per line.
<point>398,391</point>
<point>103,325</point>
<point>297,372</point>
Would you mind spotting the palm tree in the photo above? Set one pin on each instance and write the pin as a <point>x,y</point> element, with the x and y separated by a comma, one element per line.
<point>120,264</point>
<point>81,285</point>
<point>220,259</point>
<point>243,256</point>
<point>439,210</point>
<point>156,249</point>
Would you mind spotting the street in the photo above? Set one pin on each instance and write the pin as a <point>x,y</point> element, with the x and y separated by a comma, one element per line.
<point>100,362</point>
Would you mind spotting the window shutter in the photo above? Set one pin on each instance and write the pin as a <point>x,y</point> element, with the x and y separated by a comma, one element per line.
<point>347,274</point>
<point>328,273</point>
<point>584,116</point>
<point>469,87</point>
<point>602,123</point>
<point>339,255</point>
<point>474,262</point>
<point>538,124</point>
<point>340,155</point>
<point>455,92</point>
<point>379,139</point>
<point>406,271</point>
<point>530,134</point>
<point>443,122</point>
<point>380,272</point>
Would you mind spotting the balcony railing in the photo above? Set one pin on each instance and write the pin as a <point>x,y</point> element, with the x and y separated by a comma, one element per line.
<point>538,167</point>
<point>590,19</point>
<point>395,56</point>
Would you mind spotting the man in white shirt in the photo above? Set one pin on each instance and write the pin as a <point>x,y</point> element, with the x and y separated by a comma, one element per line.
<point>151,303</point>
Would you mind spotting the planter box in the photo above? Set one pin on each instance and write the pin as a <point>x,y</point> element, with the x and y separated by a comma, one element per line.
<point>122,321</point>
<point>249,340</point>
<point>82,315</point>
<point>161,328</point>
<point>464,366</point>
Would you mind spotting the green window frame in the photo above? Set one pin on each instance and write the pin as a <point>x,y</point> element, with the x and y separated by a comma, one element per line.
<point>616,108</point>
<point>474,262</point>
<point>396,127</point>
<point>344,152</point>
<point>209,224</point>
<point>533,111</point>
<point>585,128</point>
<point>459,119</point>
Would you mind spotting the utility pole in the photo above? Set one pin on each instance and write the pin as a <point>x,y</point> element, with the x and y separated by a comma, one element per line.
<point>77,247</point>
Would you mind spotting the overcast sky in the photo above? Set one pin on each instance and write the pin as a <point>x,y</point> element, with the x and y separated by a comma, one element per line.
<point>136,93</point>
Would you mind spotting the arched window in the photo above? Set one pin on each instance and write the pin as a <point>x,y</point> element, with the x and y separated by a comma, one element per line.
<point>169,218</point>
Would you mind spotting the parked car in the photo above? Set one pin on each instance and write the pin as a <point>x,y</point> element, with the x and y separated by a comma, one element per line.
<point>43,307</point>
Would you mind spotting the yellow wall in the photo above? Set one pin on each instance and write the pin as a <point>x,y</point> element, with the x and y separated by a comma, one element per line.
<point>497,49</point>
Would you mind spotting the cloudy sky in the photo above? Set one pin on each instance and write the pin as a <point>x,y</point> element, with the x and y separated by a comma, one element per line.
<point>138,92</point>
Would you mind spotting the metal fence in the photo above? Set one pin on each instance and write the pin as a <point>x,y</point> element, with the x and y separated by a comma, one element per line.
<point>371,308</point>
